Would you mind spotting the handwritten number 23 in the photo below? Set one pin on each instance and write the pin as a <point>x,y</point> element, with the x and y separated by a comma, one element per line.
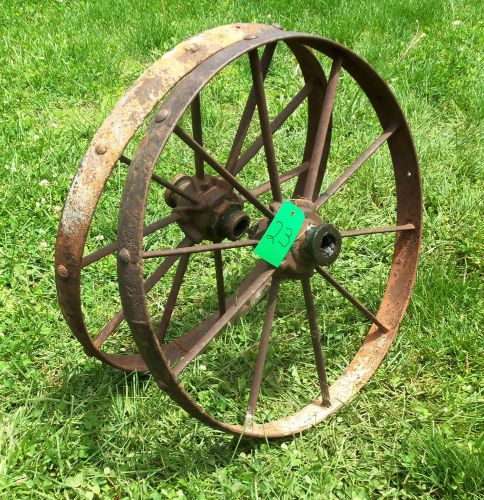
<point>287,234</point>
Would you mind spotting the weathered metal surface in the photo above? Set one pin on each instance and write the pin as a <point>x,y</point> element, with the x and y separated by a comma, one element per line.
<point>323,243</point>
<point>203,213</point>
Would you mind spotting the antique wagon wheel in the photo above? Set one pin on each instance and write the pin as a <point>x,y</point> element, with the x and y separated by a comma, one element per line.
<point>107,149</point>
<point>318,243</point>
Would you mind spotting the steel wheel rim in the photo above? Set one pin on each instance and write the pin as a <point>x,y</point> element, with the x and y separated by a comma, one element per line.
<point>395,298</point>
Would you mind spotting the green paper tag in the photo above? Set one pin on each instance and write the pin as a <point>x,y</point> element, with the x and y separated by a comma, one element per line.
<point>280,234</point>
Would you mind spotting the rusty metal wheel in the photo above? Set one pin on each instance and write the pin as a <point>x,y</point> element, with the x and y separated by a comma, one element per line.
<point>210,206</point>
<point>212,202</point>
<point>104,154</point>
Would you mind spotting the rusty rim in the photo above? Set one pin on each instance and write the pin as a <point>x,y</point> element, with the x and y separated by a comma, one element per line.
<point>105,151</point>
<point>167,367</point>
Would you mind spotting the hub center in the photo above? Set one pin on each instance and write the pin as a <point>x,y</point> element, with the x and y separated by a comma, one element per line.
<point>208,208</point>
<point>317,244</point>
<point>323,243</point>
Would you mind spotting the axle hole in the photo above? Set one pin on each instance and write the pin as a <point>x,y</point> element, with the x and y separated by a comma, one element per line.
<point>328,245</point>
<point>241,227</point>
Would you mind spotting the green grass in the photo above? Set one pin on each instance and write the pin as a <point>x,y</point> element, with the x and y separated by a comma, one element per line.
<point>71,427</point>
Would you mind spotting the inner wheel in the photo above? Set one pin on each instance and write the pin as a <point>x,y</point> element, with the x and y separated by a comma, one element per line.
<point>206,224</point>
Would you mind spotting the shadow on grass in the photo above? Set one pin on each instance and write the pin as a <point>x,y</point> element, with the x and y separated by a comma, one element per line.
<point>123,424</point>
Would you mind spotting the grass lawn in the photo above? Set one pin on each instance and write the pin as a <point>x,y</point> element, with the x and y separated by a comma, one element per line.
<point>72,427</point>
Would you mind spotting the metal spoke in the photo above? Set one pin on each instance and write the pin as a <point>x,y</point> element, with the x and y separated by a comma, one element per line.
<point>282,178</point>
<point>163,268</point>
<point>338,183</point>
<point>174,189</point>
<point>323,127</point>
<point>150,282</point>
<point>248,111</point>
<point>124,159</point>
<point>197,134</point>
<point>219,275</point>
<point>172,296</point>
<point>165,184</point>
<point>109,249</point>
<point>260,96</point>
<point>377,230</point>
<point>189,141</point>
<point>347,295</point>
<point>231,312</point>
<point>316,341</point>
<point>262,352</point>
<point>199,248</point>
<point>173,351</point>
<point>109,329</point>
<point>278,121</point>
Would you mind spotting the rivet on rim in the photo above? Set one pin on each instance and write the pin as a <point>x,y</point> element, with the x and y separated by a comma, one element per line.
<point>124,255</point>
<point>251,37</point>
<point>193,47</point>
<point>62,271</point>
<point>100,149</point>
<point>162,116</point>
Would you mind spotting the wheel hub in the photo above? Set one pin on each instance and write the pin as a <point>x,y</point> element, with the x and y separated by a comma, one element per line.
<point>211,209</point>
<point>318,243</point>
